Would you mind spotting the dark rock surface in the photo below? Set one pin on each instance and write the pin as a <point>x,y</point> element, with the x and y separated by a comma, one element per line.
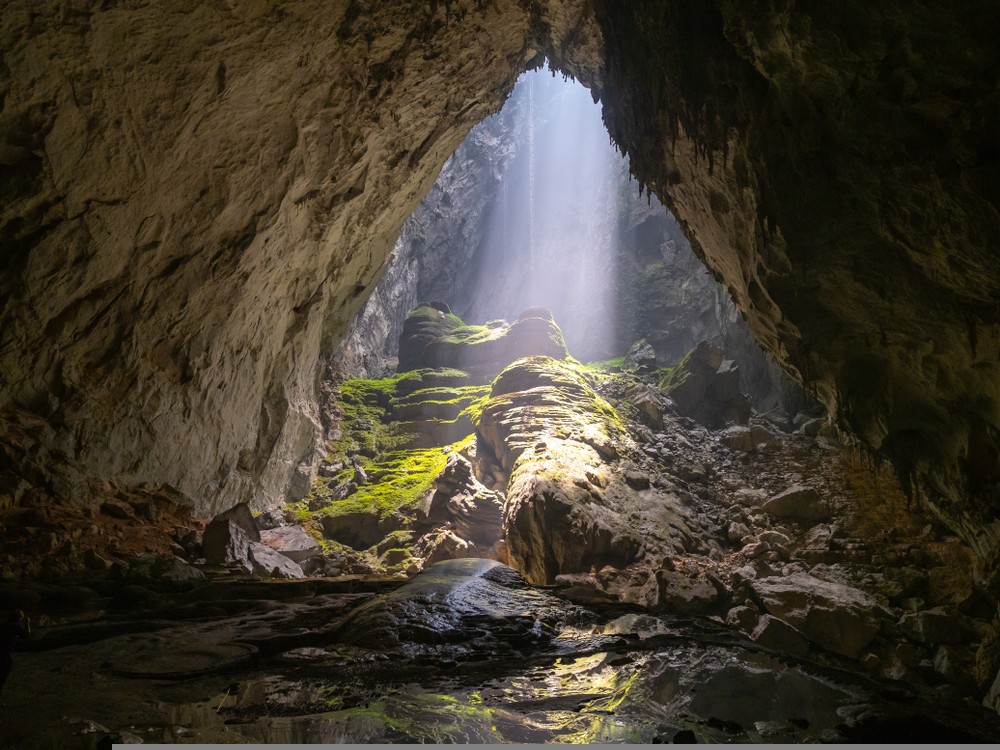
<point>706,387</point>
<point>465,652</point>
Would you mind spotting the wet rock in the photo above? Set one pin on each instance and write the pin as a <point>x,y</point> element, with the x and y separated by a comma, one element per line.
<point>798,503</point>
<point>836,617</point>
<point>291,541</point>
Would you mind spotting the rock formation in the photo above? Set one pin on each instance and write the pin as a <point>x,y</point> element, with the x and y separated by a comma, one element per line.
<point>169,302</point>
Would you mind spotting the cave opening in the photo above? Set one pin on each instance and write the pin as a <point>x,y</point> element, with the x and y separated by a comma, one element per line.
<point>496,513</point>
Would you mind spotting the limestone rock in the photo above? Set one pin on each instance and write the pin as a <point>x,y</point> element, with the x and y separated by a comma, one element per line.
<point>141,369</point>
<point>269,519</point>
<point>358,529</point>
<point>261,560</point>
<point>834,616</point>
<point>707,388</point>
<point>641,357</point>
<point>219,543</point>
<point>291,541</point>
<point>650,405</point>
<point>746,439</point>
<point>684,594</point>
<point>777,635</point>
<point>227,544</point>
<point>434,338</point>
<point>798,503</point>
<point>472,511</point>
<point>567,497</point>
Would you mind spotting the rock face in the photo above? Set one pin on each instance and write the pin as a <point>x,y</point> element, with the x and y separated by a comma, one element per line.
<point>169,304</point>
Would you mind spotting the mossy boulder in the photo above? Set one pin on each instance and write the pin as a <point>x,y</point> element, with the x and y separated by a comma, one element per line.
<point>558,438</point>
<point>434,337</point>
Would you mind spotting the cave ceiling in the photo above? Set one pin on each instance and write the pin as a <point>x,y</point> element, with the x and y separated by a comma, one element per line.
<point>197,197</point>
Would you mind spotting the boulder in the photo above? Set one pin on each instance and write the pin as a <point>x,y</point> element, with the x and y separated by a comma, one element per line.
<point>707,388</point>
<point>291,541</point>
<point>649,405</point>
<point>269,519</point>
<point>432,337</point>
<point>738,439</point>
<point>261,560</point>
<point>218,539</point>
<point>553,526</point>
<point>567,499</point>
<point>777,635</point>
<point>798,503</point>
<point>683,594</point>
<point>834,616</point>
<point>226,544</point>
<point>641,357</point>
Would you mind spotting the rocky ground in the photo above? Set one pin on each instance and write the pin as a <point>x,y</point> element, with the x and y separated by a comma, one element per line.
<point>664,537</point>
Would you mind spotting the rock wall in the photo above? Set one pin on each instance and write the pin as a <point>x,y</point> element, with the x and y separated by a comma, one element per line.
<point>197,197</point>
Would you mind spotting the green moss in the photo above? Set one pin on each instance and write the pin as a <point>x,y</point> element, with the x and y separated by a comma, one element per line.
<point>607,365</point>
<point>405,477</point>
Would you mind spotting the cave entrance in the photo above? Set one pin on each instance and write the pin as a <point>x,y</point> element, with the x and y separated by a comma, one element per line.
<point>534,240</point>
<point>537,209</point>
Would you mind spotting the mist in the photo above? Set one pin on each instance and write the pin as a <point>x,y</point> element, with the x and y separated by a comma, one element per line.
<point>552,232</point>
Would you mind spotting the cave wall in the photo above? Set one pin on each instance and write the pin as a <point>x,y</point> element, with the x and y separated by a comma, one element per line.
<point>197,197</point>
<point>836,167</point>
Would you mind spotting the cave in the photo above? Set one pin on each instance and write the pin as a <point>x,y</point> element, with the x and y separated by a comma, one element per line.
<point>221,379</point>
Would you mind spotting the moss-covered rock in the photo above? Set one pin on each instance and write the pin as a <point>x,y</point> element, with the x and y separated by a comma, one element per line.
<point>570,507</point>
<point>435,337</point>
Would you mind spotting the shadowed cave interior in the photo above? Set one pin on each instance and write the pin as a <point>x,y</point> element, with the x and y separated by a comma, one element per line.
<point>499,372</point>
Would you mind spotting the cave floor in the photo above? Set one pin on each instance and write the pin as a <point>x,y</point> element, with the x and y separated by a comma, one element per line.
<point>464,652</point>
